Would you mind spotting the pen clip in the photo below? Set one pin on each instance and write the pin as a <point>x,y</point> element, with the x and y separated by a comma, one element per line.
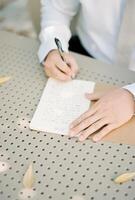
<point>59,45</point>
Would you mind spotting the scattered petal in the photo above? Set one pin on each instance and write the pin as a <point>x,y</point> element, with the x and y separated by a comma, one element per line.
<point>3,166</point>
<point>27,193</point>
<point>28,178</point>
<point>4,79</point>
<point>124,177</point>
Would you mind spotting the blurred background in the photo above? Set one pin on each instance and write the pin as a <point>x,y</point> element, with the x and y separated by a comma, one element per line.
<point>23,17</point>
<point>18,16</point>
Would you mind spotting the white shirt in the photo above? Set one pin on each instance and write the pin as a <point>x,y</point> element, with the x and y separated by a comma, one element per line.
<point>98,26</point>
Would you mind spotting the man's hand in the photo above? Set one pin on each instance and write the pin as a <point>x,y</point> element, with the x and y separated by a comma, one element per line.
<point>111,110</point>
<point>56,68</point>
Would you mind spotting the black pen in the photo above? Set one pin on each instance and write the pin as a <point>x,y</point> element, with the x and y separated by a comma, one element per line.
<point>61,51</point>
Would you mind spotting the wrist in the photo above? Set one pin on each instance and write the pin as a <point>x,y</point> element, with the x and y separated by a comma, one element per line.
<point>131,96</point>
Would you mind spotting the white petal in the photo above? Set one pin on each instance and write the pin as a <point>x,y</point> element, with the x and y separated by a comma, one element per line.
<point>4,79</point>
<point>28,179</point>
<point>124,177</point>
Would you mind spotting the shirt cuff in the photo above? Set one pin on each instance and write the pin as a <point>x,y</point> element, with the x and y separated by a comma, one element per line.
<point>47,37</point>
<point>130,88</point>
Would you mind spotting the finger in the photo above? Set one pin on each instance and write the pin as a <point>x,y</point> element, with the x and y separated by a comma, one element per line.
<point>64,68</point>
<point>56,73</point>
<point>93,96</point>
<point>84,116</point>
<point>93,128</point>
<point>85,124</point>
<point>73,64</point>
<point>47,72</point>
<point>103,133</point>
<point>48,68</point>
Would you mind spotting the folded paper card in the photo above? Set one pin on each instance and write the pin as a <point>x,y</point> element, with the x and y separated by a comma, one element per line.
<point>60,104</point>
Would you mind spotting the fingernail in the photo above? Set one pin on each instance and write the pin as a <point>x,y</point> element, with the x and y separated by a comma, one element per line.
<point>95,139</point>
<point>81,138</point>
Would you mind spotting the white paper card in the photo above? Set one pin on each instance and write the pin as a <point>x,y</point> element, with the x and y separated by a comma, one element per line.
<point>60,104</point>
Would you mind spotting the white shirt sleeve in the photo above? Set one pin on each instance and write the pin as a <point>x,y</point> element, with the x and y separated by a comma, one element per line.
<point>55,22</point>
<point>130,88</point>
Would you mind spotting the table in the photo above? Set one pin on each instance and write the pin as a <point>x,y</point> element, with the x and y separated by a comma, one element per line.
<point>63,167</point>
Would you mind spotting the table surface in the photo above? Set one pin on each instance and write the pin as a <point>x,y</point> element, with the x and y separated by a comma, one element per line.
<point>63,167</point>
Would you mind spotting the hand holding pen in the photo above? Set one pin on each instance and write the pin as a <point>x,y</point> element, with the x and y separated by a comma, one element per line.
<point>59,64</point>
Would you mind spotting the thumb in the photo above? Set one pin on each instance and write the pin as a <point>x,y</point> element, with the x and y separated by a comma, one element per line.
<point>93,96</point>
